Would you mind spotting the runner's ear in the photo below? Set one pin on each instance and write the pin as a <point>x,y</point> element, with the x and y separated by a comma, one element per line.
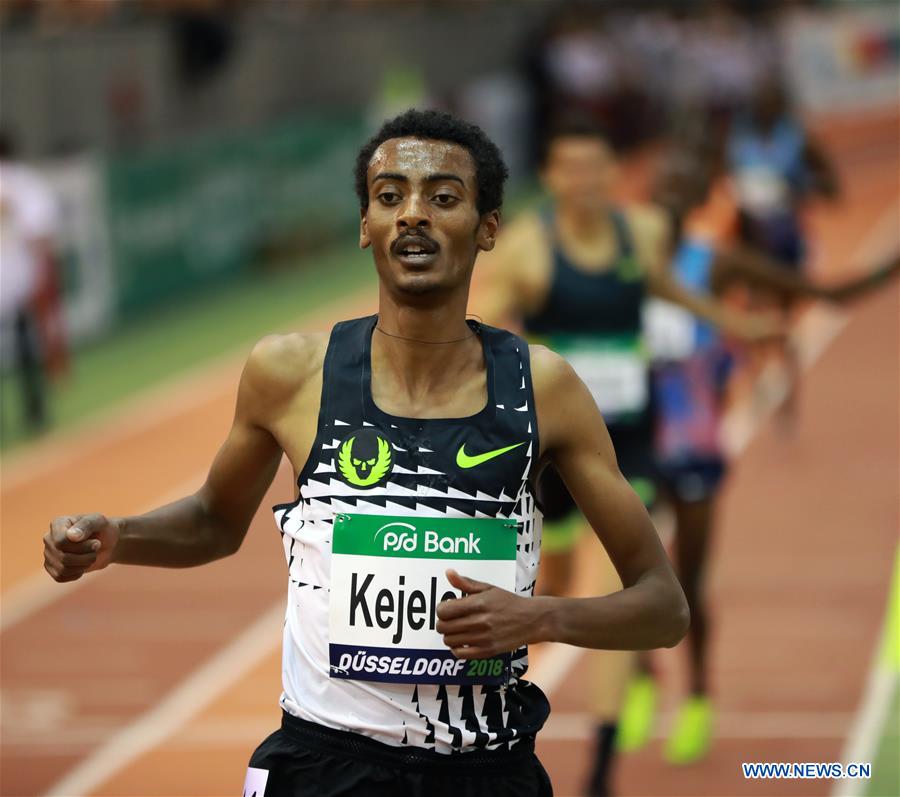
<point>488,227</point>
<point>364,241</point>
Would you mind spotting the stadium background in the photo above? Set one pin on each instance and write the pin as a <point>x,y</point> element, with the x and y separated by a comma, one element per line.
<point>201,153</point>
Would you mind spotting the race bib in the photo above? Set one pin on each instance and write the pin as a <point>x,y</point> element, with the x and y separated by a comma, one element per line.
<point>388,575</point>
<point>762,190</point>
<point>670,330</point>
<point>614,370</point>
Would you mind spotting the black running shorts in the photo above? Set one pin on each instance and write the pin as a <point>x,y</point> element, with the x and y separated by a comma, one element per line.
<point>303,759</point>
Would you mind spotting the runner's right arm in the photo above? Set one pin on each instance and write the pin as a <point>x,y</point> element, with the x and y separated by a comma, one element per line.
<point>202,527</point>
<point>512,279</point>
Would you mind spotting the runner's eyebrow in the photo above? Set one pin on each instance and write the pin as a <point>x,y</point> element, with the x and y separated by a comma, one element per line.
<point>431,178</point>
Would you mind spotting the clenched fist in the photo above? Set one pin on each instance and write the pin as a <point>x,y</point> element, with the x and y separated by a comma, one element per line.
<point>79,544</point>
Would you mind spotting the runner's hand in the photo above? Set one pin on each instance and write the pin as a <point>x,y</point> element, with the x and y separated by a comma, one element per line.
<point>486,621</point>
<point>79,544</point>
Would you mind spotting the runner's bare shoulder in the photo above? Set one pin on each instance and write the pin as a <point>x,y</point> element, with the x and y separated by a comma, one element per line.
<point>524,256</point>
<point>651,234</point>
<point>554,382</point>
<point>547,367</point>
<point>282,365</point>
<point>650,225</point>
<point>550,374</point>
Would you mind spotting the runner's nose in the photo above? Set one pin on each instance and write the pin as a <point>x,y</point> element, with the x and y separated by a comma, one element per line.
<point>413,213</point>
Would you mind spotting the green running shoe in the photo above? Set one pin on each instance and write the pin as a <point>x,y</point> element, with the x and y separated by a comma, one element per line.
<point>638,714</point>
<point>691,733</point>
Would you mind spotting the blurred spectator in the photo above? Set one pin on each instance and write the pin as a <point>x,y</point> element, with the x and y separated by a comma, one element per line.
<point>579,65</point>
<point>29,295</point>
<point>723,56</point>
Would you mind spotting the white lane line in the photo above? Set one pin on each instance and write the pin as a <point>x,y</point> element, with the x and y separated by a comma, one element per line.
<point>553,666</point>
<point>873,713</point>
<point>865,732</point>
<point>39,590</point>
<point>193,694</point>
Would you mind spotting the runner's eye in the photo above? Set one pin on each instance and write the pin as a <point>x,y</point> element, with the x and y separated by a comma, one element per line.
<point>445,199</point>
<point>389,197</point>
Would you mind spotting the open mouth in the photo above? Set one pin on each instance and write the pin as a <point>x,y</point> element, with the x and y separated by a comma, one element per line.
<point>414,249</point>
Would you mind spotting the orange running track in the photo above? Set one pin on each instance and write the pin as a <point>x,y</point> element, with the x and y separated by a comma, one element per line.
<point>148,682</point>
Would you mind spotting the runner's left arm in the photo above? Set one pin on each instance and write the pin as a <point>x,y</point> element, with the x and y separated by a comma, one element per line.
<point>649,612</point>
<point>746,264</point>
<point>654,250</point>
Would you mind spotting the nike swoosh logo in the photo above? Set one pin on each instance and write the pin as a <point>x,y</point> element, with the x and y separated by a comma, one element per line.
<point>463,460</point>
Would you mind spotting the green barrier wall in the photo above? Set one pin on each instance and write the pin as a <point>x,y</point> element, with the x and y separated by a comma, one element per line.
<point>184,217</point>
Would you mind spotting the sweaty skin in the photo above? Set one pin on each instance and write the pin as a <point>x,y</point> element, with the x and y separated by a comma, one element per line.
<point>424,191</point>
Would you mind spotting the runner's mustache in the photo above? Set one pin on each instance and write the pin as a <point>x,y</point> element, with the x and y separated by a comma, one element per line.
<point>418,238</point>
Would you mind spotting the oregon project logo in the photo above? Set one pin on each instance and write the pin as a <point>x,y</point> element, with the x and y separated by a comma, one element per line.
<point>365,458</point>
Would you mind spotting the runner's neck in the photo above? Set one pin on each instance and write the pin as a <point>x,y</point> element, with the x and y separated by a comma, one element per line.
<point>424,351</point>
<point>585,229</point>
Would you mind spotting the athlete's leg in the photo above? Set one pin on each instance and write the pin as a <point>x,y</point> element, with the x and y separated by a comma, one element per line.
<point>31,371</point>
<point>623,706</point>
<point>693,491</point>
<point>693,530</point>
<point>691,732</point>
<point>609,674</point>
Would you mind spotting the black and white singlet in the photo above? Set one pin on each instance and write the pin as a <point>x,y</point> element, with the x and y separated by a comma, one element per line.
<point>386,504</point>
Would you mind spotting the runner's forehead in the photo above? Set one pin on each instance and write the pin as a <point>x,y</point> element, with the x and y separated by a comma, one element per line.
<point>417,158</point>
<point>580,147</point>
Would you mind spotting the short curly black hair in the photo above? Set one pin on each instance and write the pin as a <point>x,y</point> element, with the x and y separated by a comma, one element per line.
<point>490,169</point>
<point>571,125</point>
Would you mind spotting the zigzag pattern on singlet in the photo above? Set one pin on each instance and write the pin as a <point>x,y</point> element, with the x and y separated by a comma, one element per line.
<point>424,481</point>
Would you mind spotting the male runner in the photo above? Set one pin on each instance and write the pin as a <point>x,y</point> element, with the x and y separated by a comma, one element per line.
<point>413,542</point>
<point>777,168</point>
<point>691,371</point>
<point>578,275</point>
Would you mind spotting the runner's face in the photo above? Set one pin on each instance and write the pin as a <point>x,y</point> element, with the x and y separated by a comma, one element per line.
<point>422,221</point>
<point>579,173</point>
